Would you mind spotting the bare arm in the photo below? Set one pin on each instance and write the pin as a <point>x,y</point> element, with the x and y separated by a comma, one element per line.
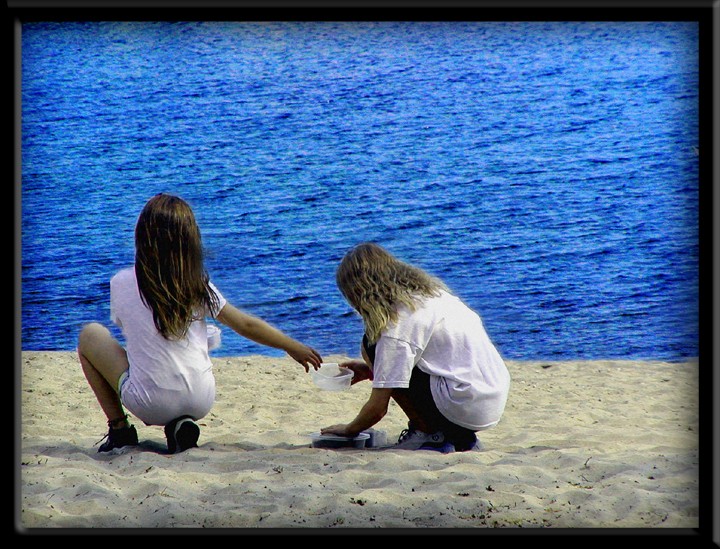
<point>372,411</point>
<point>263,333</point>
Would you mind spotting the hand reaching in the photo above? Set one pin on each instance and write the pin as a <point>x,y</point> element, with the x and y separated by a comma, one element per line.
<point>306,356</point>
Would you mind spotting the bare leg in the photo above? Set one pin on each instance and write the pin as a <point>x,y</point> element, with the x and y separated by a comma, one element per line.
<point>103,361</point>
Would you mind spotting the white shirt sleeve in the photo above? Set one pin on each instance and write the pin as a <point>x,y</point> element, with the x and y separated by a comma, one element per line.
<point>221,302</point>
<point>114,318</point>
<point>394,361</point>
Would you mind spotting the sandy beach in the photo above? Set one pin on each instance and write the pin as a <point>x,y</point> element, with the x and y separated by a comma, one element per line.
<point>601,444</point>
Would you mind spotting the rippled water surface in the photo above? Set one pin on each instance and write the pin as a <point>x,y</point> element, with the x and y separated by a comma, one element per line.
<point>548,172</point>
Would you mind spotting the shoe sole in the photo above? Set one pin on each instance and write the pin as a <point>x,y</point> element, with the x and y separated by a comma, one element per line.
<point>445,448</point>
<point>182,434</point>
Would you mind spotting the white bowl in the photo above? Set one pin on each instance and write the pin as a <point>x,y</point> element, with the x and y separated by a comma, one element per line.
<point>213,337</point>
<point>335,441</point>
<point>330,377</point>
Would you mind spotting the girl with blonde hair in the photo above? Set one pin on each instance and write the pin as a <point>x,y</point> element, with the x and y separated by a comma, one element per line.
<point>164,375</point>
<point>423,348</point>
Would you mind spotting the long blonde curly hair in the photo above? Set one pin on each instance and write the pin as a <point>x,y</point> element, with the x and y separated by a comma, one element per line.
<point>375,283</point>
<point>169,265</point>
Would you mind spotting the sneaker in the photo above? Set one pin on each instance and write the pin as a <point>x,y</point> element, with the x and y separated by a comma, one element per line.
<point>474,445</point>
<point>117,438</point>
<point>414,439</point>
<point>443,447</point>
<point>477,447</point>
<point>181,433</point>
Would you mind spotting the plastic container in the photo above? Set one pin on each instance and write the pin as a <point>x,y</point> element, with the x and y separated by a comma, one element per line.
<point>330,377</point>
<point>213,337</point>
<point>334,441</point>
<point>377,439</point>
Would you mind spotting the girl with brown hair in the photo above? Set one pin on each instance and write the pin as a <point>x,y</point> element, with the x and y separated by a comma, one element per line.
<point>164,374</point>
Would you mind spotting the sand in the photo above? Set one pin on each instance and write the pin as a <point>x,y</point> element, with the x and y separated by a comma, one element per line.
<point>601,444</point>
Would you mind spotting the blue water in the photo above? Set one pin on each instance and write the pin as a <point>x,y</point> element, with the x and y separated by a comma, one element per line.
<point>548,172</point>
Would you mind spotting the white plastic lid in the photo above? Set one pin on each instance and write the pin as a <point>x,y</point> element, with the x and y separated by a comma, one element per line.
<point>338,438</point>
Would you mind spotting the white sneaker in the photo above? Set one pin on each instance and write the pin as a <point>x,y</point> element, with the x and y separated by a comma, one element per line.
<point>412,439</point>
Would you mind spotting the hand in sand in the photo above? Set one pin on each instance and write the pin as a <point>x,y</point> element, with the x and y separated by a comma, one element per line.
<point>360,370</point>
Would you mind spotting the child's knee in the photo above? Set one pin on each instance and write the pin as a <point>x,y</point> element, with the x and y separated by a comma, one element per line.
<point>91,333</point>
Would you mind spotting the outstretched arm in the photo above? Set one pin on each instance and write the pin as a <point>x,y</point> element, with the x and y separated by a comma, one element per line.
<point>263,333</point>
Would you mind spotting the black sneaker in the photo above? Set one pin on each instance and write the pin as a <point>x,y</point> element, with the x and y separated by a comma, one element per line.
<point>117,438</point>
<point>182,433</point>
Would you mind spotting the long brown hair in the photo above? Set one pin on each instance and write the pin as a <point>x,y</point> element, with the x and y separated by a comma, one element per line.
<point>169,266</point>
<point>375,283</point>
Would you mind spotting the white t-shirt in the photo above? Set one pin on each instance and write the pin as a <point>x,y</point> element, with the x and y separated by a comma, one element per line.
<point>447,340</point>
<point>166,378</point>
